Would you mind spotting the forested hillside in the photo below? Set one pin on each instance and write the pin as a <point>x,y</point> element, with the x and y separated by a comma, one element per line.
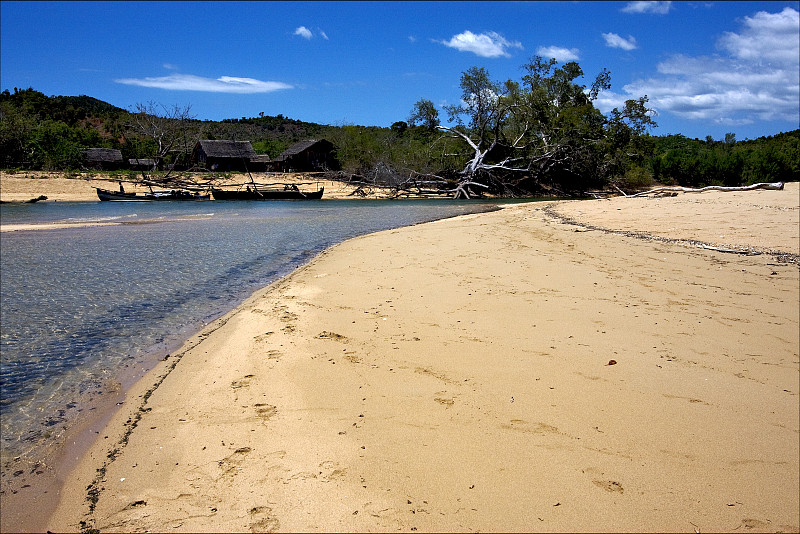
<point>541,133</point>
<point>691,162</point>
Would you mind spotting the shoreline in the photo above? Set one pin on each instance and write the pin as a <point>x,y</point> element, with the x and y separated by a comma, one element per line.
<point>23,186</point>
<point>245,433</point>
<point>35,481</point>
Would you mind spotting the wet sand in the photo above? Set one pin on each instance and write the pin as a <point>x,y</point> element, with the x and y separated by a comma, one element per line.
<point>508,371</point>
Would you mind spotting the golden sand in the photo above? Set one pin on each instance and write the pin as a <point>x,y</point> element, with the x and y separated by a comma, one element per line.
<point>499,372</point>
<point>570,366</point>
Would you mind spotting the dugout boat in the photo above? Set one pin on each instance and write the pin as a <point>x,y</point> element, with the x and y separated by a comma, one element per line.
<point>268,192</point>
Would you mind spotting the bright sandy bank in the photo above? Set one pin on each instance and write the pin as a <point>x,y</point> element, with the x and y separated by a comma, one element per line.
<point>56,186</point>
<point>458,376</point>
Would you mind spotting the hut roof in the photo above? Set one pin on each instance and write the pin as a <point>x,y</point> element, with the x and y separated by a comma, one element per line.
<point>103,154</point>
<point>299,147</point>
<point>141,162</point>
<point>260,158</point>
<point>227,149</point>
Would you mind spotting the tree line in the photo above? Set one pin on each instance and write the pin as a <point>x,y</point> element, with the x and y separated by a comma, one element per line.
<point>540,134</point>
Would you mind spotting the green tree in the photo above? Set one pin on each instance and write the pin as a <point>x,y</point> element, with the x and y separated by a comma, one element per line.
<point>544,129</point>
<point>16,132</point>
<point>424,113</point>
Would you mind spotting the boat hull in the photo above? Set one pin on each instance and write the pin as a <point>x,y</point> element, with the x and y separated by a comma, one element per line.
<point>267,194</point>
<point>118,196</point>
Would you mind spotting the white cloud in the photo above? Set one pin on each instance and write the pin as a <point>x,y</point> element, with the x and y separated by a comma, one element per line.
<point>659,8</point>
<point>753,79</point>
<point>324,35</point>
<point>768,36</point>
<point>303,32</point>
<point>559,53</point>
<point>223,84</point>
<point>489,44</point>
<point>615,41</point>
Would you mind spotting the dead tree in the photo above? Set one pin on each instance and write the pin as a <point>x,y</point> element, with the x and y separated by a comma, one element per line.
<point>774,186</point>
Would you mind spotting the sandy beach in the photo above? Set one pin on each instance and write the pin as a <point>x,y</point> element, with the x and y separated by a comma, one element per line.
<point>613,365</point>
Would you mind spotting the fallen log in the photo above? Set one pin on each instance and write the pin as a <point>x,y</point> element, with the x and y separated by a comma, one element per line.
<point>774,186</point>
<point>31,201</point>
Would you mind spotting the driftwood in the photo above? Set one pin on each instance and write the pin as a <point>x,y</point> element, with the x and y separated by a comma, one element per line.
<point>775,186</point>
<point>31,201</point>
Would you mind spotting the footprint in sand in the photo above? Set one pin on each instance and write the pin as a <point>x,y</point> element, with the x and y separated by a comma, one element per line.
<point>444,400</point>
<point>521,425</point>
<point>332,335</point>
<point>331,470</point>
<point>236,385</point>
<point>232,461</point>
<point>609,485</point>
<point>262,520</point>
<point>243,383</point>
<point>265,412</point>
<point>274,354</point>
<point>262,337</point>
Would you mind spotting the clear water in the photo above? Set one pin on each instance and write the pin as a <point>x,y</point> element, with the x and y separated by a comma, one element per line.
<point>80,305</point>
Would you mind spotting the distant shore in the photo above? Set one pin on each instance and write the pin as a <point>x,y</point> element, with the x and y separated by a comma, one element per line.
<point>22,186</point>
<point>549,366</point>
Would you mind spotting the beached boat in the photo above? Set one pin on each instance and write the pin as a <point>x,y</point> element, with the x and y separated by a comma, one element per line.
<point>175,194</point>
<point>288,192</point>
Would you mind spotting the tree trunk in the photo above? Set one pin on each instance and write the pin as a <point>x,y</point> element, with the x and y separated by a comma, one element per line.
<point>775,186</point>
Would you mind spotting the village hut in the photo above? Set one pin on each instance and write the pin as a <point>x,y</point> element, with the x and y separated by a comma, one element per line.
<point>259,162</point>
<point>309,155</point>
<point>142,164</point>
<point>222,155</point>
<point>102,159</point>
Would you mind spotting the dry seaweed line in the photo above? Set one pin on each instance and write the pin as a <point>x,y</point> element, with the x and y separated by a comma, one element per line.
<point>783,257</point>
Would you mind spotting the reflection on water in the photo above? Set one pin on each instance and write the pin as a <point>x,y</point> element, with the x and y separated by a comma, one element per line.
<point>81,304</point>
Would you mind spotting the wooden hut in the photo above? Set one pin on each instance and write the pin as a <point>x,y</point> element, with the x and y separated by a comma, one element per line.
<point>222,155</point>
<point>259,162</point>
<point>142,164</point>
<point>310,155</point>
<point>103,159</point>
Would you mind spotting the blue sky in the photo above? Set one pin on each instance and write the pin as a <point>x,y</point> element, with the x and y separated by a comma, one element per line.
<point>708,68</point>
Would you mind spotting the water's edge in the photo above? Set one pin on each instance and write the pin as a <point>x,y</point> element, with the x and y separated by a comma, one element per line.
<point>35,479</point>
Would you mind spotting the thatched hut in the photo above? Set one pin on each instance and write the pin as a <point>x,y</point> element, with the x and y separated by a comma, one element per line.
<point>222,155</point>
<point>142,164</point>
<point>102,159</point>
<point>310,155</point>
<point>259,162</point>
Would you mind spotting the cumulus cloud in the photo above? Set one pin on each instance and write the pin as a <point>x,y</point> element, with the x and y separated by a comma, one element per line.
<point>559,53</point>
<point>615,41</point>
<point>489,44</point>
<point>754,78</point>
<point>223,84</point>
<point>303,32</point>
<point>659,8</point>
<point>767,36</point>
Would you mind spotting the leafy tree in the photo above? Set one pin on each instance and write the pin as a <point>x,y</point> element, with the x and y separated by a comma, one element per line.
<point>545,129</point>
<point>16,132</point>
<point>424,113</point>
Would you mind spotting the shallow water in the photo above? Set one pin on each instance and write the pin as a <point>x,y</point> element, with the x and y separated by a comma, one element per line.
<point>81,306</point>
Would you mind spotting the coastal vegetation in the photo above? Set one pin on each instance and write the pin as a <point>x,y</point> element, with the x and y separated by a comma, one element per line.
<point>540,134</point>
